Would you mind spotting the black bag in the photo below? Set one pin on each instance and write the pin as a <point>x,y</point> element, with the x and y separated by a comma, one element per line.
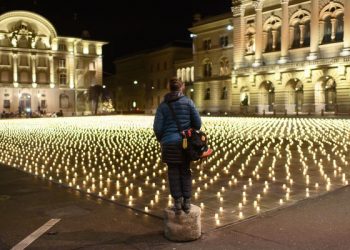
<point>194,142</point>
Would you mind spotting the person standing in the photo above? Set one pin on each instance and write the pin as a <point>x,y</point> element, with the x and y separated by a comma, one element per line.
<point>167,133</point>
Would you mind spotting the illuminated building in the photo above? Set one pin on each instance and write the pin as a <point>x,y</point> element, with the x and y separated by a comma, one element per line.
<point>43,72</point>
<point>288,56</point>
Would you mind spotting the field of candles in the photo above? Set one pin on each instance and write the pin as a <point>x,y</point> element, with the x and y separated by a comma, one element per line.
<point>258,164</point>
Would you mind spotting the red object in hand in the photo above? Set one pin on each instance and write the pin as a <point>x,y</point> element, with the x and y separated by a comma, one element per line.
<point>207,153</point>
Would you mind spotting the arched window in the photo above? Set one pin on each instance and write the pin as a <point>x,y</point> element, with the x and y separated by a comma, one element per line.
<point>329,88</point>
<point>300,29</point>
<point>250,39</point>
<point>295,94</point>
<point>244,96</point>
<point>224,67</point>
<point>272,34</point>
<point>267,95</point>
<point>332,20</point>
<point>207,68</point>
<point>207,94</point>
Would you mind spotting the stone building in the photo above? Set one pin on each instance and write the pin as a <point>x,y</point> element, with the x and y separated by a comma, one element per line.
<point>212,60</point>
<point>140,82</point>
<point>283,56</point>
<point>291,56</point>
<point>43,72</point>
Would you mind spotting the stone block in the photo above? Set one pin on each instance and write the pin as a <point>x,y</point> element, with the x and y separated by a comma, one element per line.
<point>183,227</point>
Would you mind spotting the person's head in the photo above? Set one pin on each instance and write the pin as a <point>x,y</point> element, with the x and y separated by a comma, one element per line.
<point>176,85</point>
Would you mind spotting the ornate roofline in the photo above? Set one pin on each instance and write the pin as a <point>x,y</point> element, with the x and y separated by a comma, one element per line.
<point>30,15</point>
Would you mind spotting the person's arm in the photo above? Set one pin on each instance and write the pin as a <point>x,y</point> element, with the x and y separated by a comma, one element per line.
<point>196,121</point>
<point>158,124</point>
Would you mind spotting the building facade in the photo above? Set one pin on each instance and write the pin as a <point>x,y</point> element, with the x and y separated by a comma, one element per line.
<point>141,80</point>
<point>43,72</point>
<point>212,58</point>
<point>280,56</point>
<point>291,56</point>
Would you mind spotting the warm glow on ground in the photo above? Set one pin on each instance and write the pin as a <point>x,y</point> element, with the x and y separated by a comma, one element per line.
<point>258,163</point>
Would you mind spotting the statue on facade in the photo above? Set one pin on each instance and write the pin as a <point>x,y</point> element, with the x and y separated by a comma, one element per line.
<point>250,44</point>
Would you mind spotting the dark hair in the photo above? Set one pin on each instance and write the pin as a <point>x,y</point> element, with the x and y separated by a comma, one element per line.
<point>175,84</point>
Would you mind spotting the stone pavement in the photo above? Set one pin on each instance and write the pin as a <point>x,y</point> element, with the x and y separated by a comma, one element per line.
<point>26,203</point>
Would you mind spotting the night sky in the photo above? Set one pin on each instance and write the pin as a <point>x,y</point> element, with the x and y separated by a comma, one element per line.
<point>137,26</point>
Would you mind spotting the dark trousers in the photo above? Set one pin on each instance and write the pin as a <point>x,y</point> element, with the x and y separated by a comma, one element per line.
<point>180,180</point>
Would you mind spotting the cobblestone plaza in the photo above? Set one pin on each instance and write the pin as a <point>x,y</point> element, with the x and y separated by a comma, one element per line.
<point>259,164</point>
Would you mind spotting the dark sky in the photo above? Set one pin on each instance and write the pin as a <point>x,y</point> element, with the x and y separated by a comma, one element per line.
<point>128,27</point>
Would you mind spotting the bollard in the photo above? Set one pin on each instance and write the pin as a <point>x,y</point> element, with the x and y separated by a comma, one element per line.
<point>322,112</point>
<point>183,227</point>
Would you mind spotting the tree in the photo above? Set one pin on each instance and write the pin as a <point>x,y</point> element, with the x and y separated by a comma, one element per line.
<point>95,93</point>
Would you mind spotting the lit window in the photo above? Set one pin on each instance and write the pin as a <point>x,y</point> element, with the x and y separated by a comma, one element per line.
<point>224,41</point>
<point>63,79</point>
<point>207,44</point>
<point>62,63</point>
<point>62,47</point>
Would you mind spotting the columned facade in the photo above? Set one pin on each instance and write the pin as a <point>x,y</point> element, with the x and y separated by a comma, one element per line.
<point>300,62</point>
<point>41,72</point>
<point>285,56</point>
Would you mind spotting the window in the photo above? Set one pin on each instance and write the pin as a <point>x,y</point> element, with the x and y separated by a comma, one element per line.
<point>62,63</point>
<point>165,65</point>
<point>62,47</point>
<point>63,79</point>
<point>207,44</point>
<point>64,101</point>
<point>272,34</point>
<point>300,29</point>
<point>224,41</point>
<point>23,61</point>
<point>4,60</point>
<point>207,94</point>
<point>224,93</point>
<point>332,20</point>
<point>43,104</point>
<point>7,104</point>
<point>41,62</point>
<point>207,68</point>
<point>92,66</point>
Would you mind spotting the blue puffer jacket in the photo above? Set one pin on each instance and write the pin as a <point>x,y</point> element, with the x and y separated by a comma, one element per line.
<point>164,125</point>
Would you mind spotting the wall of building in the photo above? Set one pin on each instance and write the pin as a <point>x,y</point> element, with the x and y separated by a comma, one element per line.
<point>35,62</point>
